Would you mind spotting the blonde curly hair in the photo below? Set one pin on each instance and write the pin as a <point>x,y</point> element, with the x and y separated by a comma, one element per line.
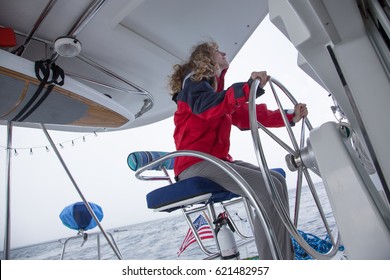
<point>201,63</point>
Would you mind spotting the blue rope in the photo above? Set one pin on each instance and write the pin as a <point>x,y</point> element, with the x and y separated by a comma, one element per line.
<point>320,245</point>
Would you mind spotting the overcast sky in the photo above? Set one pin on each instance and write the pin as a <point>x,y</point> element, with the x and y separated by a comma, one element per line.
<point>41,189</point>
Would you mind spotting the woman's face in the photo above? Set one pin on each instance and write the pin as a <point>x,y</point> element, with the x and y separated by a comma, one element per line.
<point>220,59</point>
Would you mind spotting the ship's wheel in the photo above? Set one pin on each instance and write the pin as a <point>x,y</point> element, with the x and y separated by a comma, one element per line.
<point>299,160</point>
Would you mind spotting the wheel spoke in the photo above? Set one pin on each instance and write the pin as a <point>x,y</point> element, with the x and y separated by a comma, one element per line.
<point>318,203</point>
<point>298,196</point>
<point>284,116</point>
<point>277,140</point>
<point>291,97</point>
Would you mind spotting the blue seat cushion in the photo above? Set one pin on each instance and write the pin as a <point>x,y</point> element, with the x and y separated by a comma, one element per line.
<point>185,189</point>
<point>280,171</point>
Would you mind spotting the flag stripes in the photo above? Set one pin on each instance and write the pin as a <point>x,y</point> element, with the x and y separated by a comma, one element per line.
<point>204,231</point>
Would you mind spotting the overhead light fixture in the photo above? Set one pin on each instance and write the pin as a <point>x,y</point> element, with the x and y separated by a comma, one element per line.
<point>67,46</point>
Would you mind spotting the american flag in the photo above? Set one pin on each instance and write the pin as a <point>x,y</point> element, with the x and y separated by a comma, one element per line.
<point>204,231</point>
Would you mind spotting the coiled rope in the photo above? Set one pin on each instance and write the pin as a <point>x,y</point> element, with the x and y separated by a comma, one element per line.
<point>320,245</point>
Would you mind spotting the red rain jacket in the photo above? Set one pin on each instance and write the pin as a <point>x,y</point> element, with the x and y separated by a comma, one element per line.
<point>204,117</point>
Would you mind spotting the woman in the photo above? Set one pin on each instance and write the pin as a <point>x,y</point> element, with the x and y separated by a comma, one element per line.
<point>203,119</point>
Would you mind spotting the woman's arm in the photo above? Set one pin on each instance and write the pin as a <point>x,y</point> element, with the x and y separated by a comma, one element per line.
<point>268,118</point>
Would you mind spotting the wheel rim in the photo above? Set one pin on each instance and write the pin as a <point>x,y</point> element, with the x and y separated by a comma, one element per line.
<point>297,161</point>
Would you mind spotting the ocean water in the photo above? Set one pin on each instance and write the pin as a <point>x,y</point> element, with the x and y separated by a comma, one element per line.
<point>161,239</point>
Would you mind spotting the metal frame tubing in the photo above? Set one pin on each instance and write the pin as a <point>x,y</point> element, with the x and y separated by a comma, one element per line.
<point>7,233</point>
<point>118,254</point>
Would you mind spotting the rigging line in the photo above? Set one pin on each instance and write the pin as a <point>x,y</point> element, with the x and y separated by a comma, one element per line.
<point>57,144</point>
<point>40,68</point>
<point>57,79</point>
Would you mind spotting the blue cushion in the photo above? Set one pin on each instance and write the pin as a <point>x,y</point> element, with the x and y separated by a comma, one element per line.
<point>139,159</point>
<point>189,188</point>
<point>185,189</point>
<point>280,171</point>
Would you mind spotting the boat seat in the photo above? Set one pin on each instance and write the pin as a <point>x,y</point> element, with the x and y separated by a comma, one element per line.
<point>186,192</point>
<point>179,194</point>
<point>191,195</point>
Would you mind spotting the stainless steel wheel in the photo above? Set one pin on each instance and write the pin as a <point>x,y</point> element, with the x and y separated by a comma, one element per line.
<point>299,158</point>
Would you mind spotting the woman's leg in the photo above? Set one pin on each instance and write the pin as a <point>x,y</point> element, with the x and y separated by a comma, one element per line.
<point>253,176</point>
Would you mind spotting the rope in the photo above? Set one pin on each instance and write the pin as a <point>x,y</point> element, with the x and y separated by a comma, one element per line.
<point>320,245</point>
